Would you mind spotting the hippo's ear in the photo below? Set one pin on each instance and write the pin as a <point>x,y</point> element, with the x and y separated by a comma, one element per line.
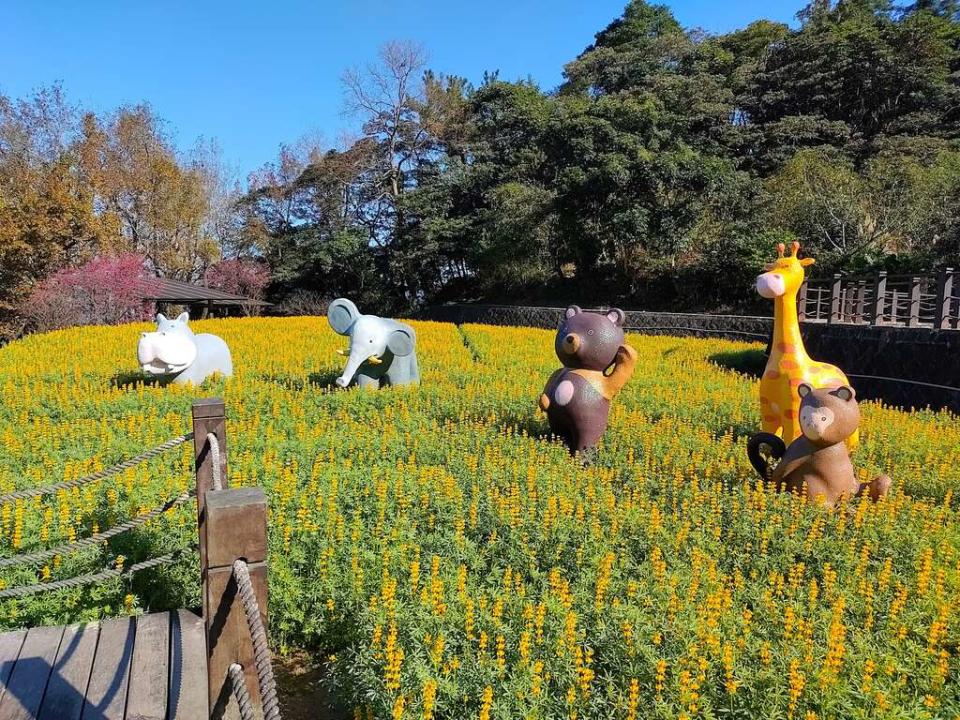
<point>183,317</point>
<point>400,342</point>
<point>341,314</point>
<point>804,389</point>
<point>844,392</point>
<point>571,311</point>
<point>161,318</point>
<point>616,316</point>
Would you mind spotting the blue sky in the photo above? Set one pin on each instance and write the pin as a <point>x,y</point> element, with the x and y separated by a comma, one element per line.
<point>254,74</point>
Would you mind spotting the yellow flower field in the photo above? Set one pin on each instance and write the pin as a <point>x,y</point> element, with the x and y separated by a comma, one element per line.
<point>447,558</point>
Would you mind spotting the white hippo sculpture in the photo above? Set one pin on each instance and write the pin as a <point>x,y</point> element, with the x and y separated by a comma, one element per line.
<point>175,352</point>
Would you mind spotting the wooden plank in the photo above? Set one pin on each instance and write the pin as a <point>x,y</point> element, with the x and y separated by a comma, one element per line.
<point>147,694</point>
<point>107,690</point>
<point>30,675</point>
<point>71,673</point>
<point>10,644</point>
<point>188,667</point>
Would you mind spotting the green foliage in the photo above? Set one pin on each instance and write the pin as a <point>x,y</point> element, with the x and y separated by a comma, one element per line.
<point>661,170</point>
<point>438,537</point>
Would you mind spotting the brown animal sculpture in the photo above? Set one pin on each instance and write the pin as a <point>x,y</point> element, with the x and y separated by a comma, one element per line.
<point>817,463</point>
<point>596,364</point>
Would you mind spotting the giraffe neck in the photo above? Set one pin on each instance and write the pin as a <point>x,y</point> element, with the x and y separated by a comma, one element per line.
<point>786,329</point>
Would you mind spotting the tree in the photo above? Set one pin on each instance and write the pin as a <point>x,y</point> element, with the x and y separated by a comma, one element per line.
<point>247,278</point>
<point>106,290</point>
<point>162,203</point>
<point>856,78</point>
<point>387,97</point>
<point>47,215</point>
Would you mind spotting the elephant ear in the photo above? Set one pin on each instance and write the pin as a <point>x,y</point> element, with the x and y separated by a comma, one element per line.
<point>400,342</point>
<point>341,314</point>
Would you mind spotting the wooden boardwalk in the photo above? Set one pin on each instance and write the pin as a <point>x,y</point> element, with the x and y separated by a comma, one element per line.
<point>151,667</point>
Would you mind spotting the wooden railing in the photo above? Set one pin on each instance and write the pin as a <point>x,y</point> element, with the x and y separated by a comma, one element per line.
<point>922,301</point>
<point>232,524</point>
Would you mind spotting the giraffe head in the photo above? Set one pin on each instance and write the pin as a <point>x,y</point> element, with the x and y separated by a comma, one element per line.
<point>784,276</point>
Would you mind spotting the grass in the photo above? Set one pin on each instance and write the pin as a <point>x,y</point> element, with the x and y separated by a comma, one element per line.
<point>440,554</point>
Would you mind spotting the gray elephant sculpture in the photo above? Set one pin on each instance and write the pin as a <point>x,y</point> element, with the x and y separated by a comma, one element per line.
<point>173,351</point>
<point>382,351</point>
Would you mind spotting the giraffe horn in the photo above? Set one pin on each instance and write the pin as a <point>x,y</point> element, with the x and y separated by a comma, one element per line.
<point>781,248</point>
<point>796,248</point>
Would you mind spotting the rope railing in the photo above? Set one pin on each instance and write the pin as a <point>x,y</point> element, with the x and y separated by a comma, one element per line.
<point>99,537</point>
<point>215,456</point>
<point>99,475</point>
<point>261,650</point>
<point>241,693</point>
<point>105,574</point>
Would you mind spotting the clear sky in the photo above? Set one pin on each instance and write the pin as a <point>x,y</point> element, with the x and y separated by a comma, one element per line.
<point>254,74</point>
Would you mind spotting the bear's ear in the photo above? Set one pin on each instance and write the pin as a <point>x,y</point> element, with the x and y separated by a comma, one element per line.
<point>804,389</point>
<point>844,392</point>
<point>341,314</point>
<point>571,311</point>
<point>183,317</point>
<point>616,316</point>
<point>161,318</point>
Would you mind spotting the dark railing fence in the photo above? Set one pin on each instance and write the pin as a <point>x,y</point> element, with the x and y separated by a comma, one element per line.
<point>923,301</point>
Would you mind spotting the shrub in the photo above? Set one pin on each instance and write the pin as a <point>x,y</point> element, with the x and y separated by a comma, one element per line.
<point>248,278</point>
<point>105,290</point>
<point>304,302</point>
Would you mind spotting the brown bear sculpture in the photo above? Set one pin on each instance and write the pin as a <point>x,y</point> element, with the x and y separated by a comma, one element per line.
<point>817,463</point>
<point>596,365</point>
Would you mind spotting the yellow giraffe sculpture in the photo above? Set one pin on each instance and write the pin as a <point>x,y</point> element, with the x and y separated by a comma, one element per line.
<point>789,365</point>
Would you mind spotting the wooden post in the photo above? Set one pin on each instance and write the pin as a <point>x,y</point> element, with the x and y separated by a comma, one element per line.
<point>835,299</point>
<point>236,529</point>
<point>942,318</point>
<point>860,302</point>
<point>802,302</point>
<point>913,320</point>
<point>208,417</point>
<point>879,297</point>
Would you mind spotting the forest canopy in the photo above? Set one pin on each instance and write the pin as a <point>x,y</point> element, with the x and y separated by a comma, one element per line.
<point>659,174</point>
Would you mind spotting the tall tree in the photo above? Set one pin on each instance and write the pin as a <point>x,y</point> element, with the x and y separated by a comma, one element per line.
<point>47,214</point>
<point>161,201</point>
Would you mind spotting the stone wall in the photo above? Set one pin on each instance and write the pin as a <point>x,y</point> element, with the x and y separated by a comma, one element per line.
<point>900,361</point>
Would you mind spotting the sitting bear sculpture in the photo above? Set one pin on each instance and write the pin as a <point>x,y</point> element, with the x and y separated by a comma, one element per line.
<point>382,351</point>
<point>596,365</point>
<point>173,351</point>
<point>817,463</point>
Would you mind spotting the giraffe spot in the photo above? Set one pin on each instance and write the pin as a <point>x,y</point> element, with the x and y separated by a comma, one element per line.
<point>786,347</point>
<point>770,418</point>
<point>788,365</point>
<point>788,414</point>
<point>764,401</point>
<point>771,375</point>
<point>795,381</point>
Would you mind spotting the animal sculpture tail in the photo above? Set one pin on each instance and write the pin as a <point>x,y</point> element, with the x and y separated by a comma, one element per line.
<point>760,462</point>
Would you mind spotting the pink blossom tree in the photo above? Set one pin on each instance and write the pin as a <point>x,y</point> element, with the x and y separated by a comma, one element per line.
<point>247,278</point>
<point>105,290</point>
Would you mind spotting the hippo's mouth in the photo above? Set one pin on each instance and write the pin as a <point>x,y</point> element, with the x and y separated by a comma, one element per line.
<point>159,367</point>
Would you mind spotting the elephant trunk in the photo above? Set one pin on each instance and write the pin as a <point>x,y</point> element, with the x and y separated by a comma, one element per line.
<point>354,361</point>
